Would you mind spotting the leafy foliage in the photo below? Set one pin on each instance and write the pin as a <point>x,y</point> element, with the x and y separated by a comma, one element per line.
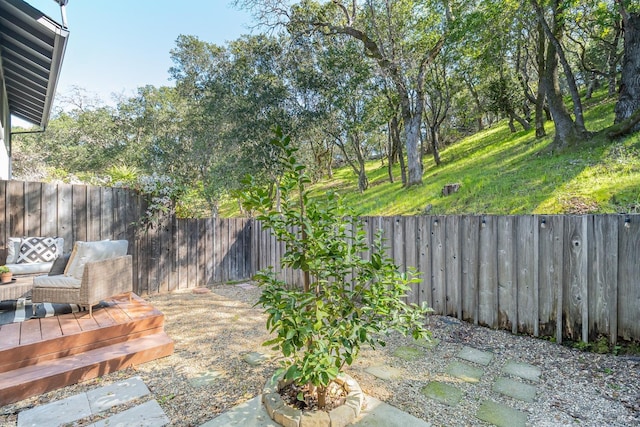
<point>348,300</point>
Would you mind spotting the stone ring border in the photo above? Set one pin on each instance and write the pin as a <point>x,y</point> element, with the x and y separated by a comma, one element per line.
<point>287,416</point>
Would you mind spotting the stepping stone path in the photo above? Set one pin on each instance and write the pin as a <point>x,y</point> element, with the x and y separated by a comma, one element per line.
<point>93,402</point>
<point>515,382</point>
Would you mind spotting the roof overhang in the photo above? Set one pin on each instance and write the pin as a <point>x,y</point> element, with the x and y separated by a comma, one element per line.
<point>32,47</point>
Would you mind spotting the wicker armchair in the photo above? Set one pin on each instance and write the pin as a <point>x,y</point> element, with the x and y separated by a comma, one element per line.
<point>100,280</point>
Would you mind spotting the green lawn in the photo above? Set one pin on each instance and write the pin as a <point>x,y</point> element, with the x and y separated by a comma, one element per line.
<point>505,173</point>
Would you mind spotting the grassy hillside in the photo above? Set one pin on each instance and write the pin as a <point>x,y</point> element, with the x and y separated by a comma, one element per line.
<point>505,173</point>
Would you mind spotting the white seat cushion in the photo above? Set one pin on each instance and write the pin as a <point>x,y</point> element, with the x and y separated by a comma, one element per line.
<point>59,281</point>
<point>31,268</point>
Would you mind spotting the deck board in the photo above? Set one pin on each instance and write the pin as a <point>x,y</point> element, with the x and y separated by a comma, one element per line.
<point>69,324</point>
<point>50,327</point>
<point>10,335</point>
<point>30,332</point>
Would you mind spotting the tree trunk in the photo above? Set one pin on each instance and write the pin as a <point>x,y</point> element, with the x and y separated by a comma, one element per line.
<point>540,113</point>
<point>390,153</point>
<point>566,130</point>
<point>555,36</point>
<point>514,116</point>
<point>629,99</point>
<point>476,99</point>
<point>434,144</point>
<point>412,137</point>
<point>363,181</point>
<point>512,127</point>
<point>613,60</point>
<point>403,167</point>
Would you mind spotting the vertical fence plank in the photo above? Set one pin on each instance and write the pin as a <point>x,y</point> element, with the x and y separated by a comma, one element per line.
<point>603,275</point>
<point>94,212</point>
<point>16,209</point>
<point>106,216</point>
<point>210,251</point>
<point>411,254</point>
<point>65,215</point>
<point>550,261</point>
<point>33,208</point>
<point>172,254</point>
<point>527,265</point>
<point>164,253</point>
<point>575,300</point>
<point>470,226</point>
<point>397,242</point>
<point>424,259</point>
<point>507,289</point>
<point>438,277</point>
<point>488,289</point>
<point>79,219</point>
<point>49,215</point>
<point>453,284</point>
<point>628,277</point>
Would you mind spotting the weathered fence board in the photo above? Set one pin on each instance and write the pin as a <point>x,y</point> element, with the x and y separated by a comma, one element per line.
<point>438,277</point>
<point>453,284</point>
<point>424,259</point>
<point>550,261</point>
<point>629,277</point>
<point>469,268</point>
<point>488,290</point>
<point>575,307</point>
<point>603,276</point>
<point>507,289</point>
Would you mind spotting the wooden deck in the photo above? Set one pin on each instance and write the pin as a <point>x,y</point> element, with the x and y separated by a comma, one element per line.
<point>40,355</point>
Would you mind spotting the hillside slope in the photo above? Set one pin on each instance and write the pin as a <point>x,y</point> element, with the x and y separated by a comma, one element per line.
<point>504,173</point>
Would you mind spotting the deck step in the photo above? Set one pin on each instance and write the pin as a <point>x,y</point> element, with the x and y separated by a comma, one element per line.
<point>48,375</point>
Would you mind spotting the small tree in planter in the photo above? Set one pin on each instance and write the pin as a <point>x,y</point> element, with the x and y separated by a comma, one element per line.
<point>347,299</point>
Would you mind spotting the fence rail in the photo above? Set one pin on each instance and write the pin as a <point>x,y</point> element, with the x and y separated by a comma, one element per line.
<point>572,277</point>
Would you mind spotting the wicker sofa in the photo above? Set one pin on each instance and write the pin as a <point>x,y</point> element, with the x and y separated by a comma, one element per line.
<point>88,282</point>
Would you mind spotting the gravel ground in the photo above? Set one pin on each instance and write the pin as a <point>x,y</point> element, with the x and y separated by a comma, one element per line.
<point>212,333</point>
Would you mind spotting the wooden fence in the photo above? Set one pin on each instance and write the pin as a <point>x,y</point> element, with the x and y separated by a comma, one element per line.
<point>575,277</point>
<point>176,254</point>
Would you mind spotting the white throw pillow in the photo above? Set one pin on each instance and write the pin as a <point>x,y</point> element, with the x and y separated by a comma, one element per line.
<point>84,252</point>
<point>13,248</point>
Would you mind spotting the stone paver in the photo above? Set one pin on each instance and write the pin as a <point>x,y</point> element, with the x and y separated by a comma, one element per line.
<point>429,345</point>
<point>408,353</point>
<point>384,372</point>
<point>205,378</point>
<point>465,372</point>
<point>56,413</point>
<point>476,356</point>
<point>501,415</point>
<point>103,398</point>
<point>443,393</point>
<point>255,358</point>
<point>515,389</point>
<point>148,414</point>
<point>522,370</point>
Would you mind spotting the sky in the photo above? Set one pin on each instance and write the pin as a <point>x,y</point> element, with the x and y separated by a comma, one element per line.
<point>116,46</point>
